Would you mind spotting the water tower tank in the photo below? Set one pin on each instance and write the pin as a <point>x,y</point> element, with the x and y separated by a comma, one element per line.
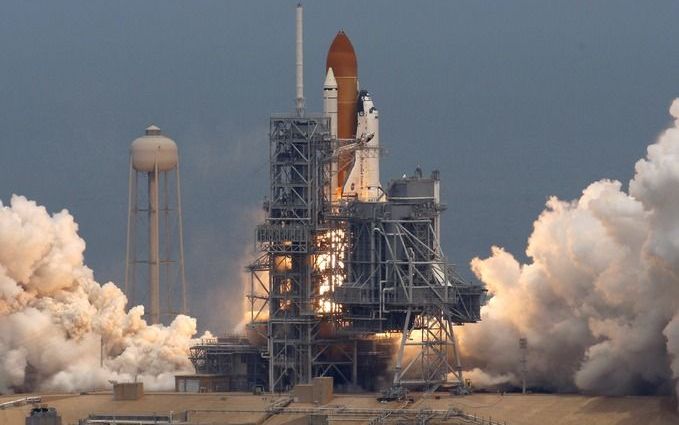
<point>154,148</point>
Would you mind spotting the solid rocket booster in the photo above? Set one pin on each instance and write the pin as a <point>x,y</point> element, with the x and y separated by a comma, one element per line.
<point>342,60</point>
<point>330,111</point>
<point>330,101</point>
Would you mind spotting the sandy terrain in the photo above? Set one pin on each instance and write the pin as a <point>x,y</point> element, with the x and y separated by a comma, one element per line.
<point>223,408</point>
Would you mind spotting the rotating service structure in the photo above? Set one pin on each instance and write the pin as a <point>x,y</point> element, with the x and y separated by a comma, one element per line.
<point>399,281</point>
<point>346,264</point>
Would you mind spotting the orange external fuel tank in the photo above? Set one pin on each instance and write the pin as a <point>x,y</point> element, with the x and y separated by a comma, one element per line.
<point>342,60</point>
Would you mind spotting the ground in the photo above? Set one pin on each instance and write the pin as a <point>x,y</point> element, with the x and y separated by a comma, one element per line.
<point>242,409</point>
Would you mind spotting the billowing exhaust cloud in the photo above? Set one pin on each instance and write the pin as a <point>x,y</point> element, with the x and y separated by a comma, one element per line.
<point>599,299</point>
<point>54,316</point>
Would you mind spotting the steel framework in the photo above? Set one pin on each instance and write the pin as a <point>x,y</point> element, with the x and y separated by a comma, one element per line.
<point>331,274</point>
<point>289,276</point>
<point>233,357</point>
<point>398,280</point>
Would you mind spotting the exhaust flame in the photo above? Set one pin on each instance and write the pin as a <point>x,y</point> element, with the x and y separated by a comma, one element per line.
<point>330,266</point>
<point>54,316</point>
<point>599,300</point>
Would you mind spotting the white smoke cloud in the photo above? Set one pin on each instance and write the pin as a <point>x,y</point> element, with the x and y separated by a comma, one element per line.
<point>599,299</point>
<point>54,315</point>
<point>481,379</point>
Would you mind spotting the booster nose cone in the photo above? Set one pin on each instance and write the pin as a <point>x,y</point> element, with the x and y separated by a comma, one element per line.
<point>330,81</point>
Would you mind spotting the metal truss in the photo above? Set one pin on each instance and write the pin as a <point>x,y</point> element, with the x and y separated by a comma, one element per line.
<point>293,275</point>
<point>433,358</point>
<point>334,271</point>
<point>398,280</point>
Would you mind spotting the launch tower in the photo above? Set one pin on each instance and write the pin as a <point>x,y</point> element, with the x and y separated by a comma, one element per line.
<point>344,260</point>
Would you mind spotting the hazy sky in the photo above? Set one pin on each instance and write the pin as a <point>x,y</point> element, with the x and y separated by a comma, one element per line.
<point>512,100</point>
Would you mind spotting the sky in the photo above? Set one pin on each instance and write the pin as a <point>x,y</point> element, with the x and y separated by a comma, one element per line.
<point>513,101</point>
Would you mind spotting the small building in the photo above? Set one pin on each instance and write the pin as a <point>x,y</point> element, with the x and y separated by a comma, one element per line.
<point>224,364</point>
<point>128,391</point>
<point>319,391</point>
<point>201,383</point>
<point>43,416</point>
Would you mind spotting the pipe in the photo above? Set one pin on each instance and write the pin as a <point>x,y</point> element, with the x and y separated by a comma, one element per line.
<point>154,260</point>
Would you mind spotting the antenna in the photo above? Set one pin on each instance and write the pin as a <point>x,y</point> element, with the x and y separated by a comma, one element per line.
<point>299,55</point>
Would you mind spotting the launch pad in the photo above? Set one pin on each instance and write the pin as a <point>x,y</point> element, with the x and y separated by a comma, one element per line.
<point>350,274</point>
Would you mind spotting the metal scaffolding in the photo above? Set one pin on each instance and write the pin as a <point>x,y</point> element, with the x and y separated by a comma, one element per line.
<point>334,274</point>
<point>398,280</point>
<point>231,362</point>
<point>298,146</point>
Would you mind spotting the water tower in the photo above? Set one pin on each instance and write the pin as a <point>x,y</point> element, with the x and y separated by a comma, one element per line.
<point>155,252</point>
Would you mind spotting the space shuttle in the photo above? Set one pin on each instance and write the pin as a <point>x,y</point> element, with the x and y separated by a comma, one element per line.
<point>354,123</point>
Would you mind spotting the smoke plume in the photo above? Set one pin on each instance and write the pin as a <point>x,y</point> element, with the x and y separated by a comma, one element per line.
<point>599,299</point>
<point>54,316</point>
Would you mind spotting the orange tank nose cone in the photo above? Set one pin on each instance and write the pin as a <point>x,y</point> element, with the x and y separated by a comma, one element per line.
<point>341,57</point>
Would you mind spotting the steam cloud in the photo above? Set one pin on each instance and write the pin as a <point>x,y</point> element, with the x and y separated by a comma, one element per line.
<point>599,300</point>
<point>54,315</point>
